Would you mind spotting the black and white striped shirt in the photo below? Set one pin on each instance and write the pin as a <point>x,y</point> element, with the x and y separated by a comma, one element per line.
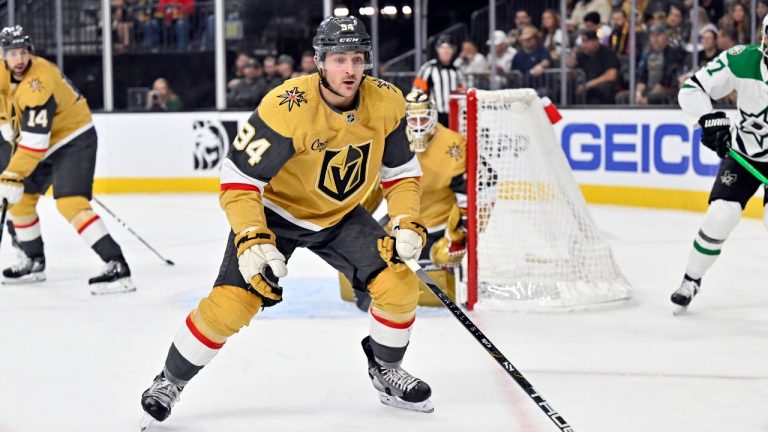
<point>439,81</point>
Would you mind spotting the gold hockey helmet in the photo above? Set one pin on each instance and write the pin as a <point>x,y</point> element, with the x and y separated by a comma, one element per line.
<point>421,116</point>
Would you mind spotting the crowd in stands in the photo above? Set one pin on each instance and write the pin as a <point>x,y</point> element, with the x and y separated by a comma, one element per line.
<point>598,32</point>
<point>149,24</point>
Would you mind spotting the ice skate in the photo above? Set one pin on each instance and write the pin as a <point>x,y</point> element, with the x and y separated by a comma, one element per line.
<point>683,296</point>
<point>158,400</point>
<point>114,278</point>
<point>397,387</point>
<point>26,270</point>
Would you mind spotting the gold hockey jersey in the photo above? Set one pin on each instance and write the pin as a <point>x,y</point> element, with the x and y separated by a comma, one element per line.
<point>45,111</point>
<point>311,163</point>
<point>443,183</point>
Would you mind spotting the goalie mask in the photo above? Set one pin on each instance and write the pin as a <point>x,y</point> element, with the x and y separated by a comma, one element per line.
<point>764,34</point>
<point>15,37</point>
<point>421,118</point>
<point>339,35</point>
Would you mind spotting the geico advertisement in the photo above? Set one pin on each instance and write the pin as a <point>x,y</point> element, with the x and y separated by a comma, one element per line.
<point>642,148</point>
<point>172,145</point>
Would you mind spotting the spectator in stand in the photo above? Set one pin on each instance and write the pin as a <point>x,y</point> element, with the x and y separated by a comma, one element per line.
<point>270,72</point>
<point>285,66</point>
<point>619,40</point>
<point>600,66</point>
<point>307,64</point>
<point>738,19</point>
<point>240,62</point>
<point>761,10</point>
<point>714,9</point>
<point>708,41</point>
<point>657,77</point>
<point>504,53</point>
<point>171,18</point>
<point>470,62</point>
<point>726,38</point>
<point>439,78</point>
<point>678,33</point>
<point>552,34</point>
<point>583,7</point>
<point>641,6</point>
<point>592,23</point>
<point>162,97</point>
<point>249,91</point>
<point>522,19</point>
<point>121,25</point>
<point>533,58</point>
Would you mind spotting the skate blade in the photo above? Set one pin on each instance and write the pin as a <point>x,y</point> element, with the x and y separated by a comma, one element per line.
<point>394,401</point>
<point>680,310</point>
<point>27,279</point>
<point>119,286</point>
<point>146,422</point>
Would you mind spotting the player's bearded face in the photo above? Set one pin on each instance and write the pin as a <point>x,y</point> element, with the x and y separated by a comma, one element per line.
<point>343,71</point>
<point>18,60</point>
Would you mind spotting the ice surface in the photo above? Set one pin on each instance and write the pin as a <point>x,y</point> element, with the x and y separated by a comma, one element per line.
<point>73,362</point>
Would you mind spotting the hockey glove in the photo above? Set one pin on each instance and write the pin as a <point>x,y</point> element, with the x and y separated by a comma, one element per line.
<point>11,187</point>
<point>386,246</point>
<point>257,253</point>
<point>716,132</point>
<point>410,236</point>
<point>446,253</point>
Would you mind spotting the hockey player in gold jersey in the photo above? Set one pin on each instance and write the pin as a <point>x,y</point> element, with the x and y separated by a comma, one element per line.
<point>442,157</point>
<point>49,123</point>
<point>294,177</point>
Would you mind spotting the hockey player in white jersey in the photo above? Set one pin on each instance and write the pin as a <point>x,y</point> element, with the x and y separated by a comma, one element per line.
<point>743,68</point>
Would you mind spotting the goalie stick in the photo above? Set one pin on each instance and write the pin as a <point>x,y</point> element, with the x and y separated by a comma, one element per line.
<point>513,372</point>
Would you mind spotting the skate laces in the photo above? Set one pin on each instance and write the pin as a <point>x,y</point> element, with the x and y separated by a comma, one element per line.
<point>400,378</point>
<point>164,391</point>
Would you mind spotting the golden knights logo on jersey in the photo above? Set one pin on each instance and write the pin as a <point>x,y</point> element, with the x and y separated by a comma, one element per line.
<point>344,171</point>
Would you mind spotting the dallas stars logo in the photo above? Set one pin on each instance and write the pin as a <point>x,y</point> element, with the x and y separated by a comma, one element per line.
<point>454,151</point>
<point>293,97</point>
<point>755,124</point>
<point>727,178</point>
<point>381,83</point>
<point>35,85</point>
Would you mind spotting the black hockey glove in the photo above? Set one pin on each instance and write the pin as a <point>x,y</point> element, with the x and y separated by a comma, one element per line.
<point>716,132</point>
<point>267,288</point>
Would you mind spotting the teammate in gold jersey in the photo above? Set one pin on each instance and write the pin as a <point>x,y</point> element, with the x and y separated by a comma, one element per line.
<point>442,157</point>
<point>49,124</point>
<point>294,177</point>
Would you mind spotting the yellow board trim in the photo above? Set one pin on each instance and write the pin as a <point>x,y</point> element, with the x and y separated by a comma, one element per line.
<point>595,194</point>
<point>659,198</point>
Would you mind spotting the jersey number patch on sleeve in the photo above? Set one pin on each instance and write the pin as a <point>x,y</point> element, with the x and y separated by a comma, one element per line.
<point>38,119</point>
<point>715,65</point>
<point>254,149</point>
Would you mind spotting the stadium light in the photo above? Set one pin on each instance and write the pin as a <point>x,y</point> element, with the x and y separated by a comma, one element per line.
<point>341,11</point>
<point>368,10</point>
<point>389,10</point>
<point>407,11</point>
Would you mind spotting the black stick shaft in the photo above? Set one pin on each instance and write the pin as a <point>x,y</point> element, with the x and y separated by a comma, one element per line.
<point>125,225</point>
<point>516,375</point>
<point>2,219</point>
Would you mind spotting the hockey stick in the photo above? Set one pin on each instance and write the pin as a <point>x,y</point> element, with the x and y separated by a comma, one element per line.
<point>125,225</point>
<point>2,219</point>
<point>545,406</point>
<point>748,166</point>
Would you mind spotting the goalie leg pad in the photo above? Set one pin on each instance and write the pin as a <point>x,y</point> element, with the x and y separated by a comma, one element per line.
<point>721,218</point>
<point>392,313</point>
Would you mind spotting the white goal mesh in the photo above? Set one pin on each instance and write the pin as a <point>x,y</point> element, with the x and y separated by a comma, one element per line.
<point>533,243</point>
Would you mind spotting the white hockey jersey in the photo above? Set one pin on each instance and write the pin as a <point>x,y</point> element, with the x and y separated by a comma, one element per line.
<point>743,69</point>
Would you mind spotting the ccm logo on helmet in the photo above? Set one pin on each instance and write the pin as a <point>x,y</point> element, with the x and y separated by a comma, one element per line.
<point>349,40</point>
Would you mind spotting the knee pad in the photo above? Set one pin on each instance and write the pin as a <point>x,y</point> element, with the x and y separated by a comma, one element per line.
<point>24,211</point>
<point>395,294</point>
<point>225,311</point>
<point>721,218</point>
<point>75,209</point>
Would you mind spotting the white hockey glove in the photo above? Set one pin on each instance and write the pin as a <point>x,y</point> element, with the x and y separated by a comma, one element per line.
<point>11,187</point>
<point>410,236</point>
<point>261,263</point>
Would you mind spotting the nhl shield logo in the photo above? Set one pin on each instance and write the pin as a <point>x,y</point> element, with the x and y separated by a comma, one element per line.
<point>344,171</point>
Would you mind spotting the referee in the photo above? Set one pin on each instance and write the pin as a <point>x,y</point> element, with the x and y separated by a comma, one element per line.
<point>439,78</point>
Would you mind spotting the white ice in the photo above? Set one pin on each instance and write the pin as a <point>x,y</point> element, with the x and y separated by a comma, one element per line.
<point>73,362</point>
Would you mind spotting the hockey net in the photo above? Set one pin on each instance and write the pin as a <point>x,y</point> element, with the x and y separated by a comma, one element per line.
<point>532,242</point>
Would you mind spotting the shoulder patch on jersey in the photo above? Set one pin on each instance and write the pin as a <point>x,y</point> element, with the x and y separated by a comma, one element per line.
<point>454,151</point>
<point>36,85</point>
<point>736,50</point>
<point>293,97</point>
<point>745,64</point>
<point>381,83</point>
